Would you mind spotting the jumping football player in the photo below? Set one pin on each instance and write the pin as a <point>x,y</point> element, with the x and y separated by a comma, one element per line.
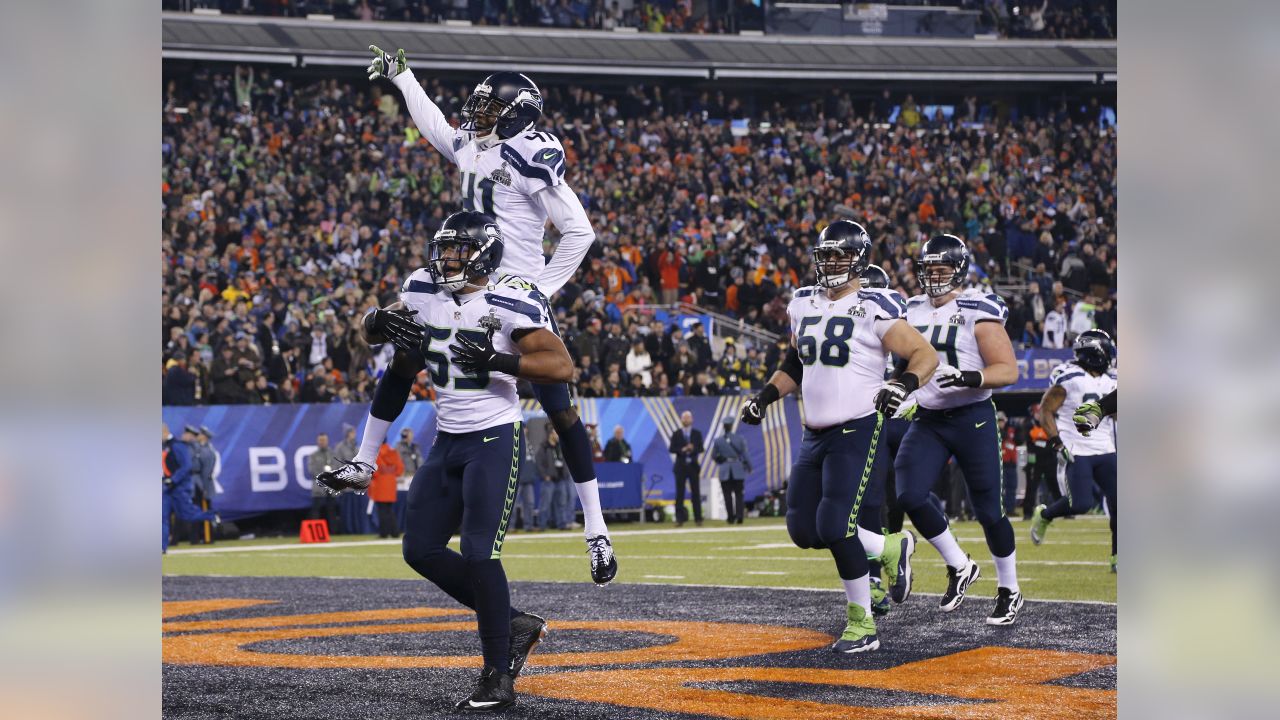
<point>840,337</point>
<point>957,418</point>
<point>515,174</point>
<point>483,330</point>
<point>1090,459</point>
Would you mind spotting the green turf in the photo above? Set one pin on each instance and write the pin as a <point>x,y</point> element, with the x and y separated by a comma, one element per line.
<point>1070,565</point>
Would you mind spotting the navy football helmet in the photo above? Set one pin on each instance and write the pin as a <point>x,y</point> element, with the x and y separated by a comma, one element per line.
<point>875,277</point>
<point>504,105</point>
<point>1094,350</point>
<point>843,251</point>
<point>467,246</point>
<point>949,253</point>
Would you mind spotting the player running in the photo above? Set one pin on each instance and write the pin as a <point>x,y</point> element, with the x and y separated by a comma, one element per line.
<point>840,336</point>
<point>483,330</point>
<point>957,418</point>
<point>1090,458</point>
<point>515,174</point>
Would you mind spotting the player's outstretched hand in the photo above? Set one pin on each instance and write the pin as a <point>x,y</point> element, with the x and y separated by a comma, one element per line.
<point>398,327</point>
<point>386,65</point>
<point>752,411</point>
<point>890,397</point>
<point>949,377</point>
<point>1087,417</point>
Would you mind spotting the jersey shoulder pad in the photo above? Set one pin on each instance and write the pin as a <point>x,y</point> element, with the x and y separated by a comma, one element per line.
<point>1065,373</point>
<point>517,305</point>
<point>537,156</point>
<point>890,304</point>
<point>419,281</point>
<point>915,300</point>
<point>805,291</point>
<point>987,306</point>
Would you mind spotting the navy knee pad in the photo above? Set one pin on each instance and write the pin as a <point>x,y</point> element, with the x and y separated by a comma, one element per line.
<point>802,531</point>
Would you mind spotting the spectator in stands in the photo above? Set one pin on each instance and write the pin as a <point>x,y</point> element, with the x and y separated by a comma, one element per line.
<point>1055,326</point>
<point>179,383</point>
<point>686,448</point>
<point>639,363</point>
<point>617,449</point>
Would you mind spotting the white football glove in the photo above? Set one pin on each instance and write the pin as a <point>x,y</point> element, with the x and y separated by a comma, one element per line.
<point>948,377</point>
<point>386,65</point>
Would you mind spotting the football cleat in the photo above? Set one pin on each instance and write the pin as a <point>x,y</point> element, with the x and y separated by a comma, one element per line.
<point>1113,564</point>
<point>495,691</point>
<point>958,581</point>
<point>1008,603</point>
<point>351,475</point>
<point>527,630</point>
<point>1039,524</point>
<point>603,565</point>
<point>859,634</point>
<point>879,598</point>
<point>896,558</point>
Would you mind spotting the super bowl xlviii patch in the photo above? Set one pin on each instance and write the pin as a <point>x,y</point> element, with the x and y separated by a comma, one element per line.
<point>457,315</point>
<point>491,321</point>
<point>957,319</point>
<point>858,311</point>
<point>501,175</point>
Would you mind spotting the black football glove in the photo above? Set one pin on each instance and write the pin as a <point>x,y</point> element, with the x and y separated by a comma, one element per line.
<point>473,353</point>
<point>397,327</point>
<point>949,377</point>
<point>890,397</point>
<point>753,409</point>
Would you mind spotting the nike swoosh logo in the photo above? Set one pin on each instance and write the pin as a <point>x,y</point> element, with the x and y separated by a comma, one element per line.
<point>485,703</point>
<point>849,430</point>
<point>548,154</point>
<point>978,425</point>
<point>489,438</point>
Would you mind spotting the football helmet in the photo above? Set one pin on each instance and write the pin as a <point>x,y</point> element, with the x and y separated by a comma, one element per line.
<point>942,251</point>
<point>843,250</point>
<point>502,106</point>
<point>875,277</point>
<point>1094,350</point>
<point>466,247</point>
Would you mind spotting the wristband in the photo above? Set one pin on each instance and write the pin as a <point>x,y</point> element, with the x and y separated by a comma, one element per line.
<point>909,382</point>
<point>505,363</point>
<point>972,378</point>
<point>768,395</point>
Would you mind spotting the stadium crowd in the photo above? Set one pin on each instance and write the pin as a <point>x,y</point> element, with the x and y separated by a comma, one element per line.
<point>1049,19</point>
<point>291,206</point>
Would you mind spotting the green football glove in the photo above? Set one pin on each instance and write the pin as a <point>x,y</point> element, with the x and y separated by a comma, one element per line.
<point>1056,443</point>
<point>1087,417</point>
<point>385,65</point>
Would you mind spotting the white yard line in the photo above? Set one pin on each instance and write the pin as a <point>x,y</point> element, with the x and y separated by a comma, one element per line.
<point>664,577</point>
<point>766,572</point>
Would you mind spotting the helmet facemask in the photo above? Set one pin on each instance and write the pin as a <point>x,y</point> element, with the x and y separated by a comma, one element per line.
<point>451,260</point>
<point>938,276</point>
<point>492,119</point>
<point>833,267</point>
<point>1091,354</point>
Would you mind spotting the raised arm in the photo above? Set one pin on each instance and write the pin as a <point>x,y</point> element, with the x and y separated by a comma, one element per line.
<point>565,212</point>
<point>425,114</point>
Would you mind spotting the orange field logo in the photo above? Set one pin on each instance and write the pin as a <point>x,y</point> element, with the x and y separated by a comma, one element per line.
<point>985,682</point>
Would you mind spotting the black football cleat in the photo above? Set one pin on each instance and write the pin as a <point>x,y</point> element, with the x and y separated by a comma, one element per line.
<point>958,581</point>
<point>495,691</point>
<point>604,566</point>
<point>1008,603</point>
<point>527,630</point>
<point>350,475</point>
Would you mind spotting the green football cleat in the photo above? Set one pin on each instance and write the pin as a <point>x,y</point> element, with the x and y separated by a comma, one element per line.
<point>879,598</point>
<point>1039,525</point>
<point>896,559</point>
<point>859,634</point>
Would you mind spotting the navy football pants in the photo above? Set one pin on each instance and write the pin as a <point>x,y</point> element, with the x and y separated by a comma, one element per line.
<point>468,485</point>
<point>970,434</point>
<point>827,486</point>
<point>1083,473</point>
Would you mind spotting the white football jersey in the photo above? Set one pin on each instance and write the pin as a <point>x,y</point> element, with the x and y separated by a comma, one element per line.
<point>840,346</point>
<point>1083,387</point>
<point>949,329</point>
<point>467,403</point>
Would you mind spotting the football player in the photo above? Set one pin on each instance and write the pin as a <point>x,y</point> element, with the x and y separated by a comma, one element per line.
<point>957,418</point>
<point>483,330</point>
<point>840,337</point>
<point>1090,459</point>
<point>515,174</point>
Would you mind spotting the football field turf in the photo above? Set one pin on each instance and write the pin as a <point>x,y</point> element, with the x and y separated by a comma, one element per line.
<point>1072,564</point>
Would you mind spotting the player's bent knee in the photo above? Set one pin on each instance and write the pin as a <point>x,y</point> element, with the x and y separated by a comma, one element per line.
<point>801,531</point>
<point>562,420</point>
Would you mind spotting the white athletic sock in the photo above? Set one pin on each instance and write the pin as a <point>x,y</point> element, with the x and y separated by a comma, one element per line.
<point>375,433</point>
<point>592,518</point>
<point>1007,571</point>
<point>949,549</point>
<point>872,542</point>
<point>858,591</point>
